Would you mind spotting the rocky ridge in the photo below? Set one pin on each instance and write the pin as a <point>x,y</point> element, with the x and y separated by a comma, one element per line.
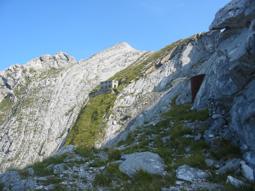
<point>41,100</point>
<point>150,116</point>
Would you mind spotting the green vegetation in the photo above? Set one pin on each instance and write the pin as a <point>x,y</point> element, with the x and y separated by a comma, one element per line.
<point>41,168</point>
<point>112,177</point>
<point>225,150</point>
<point>143,181</point>
<point>177,149</point>
<point>90,124</point>
<point>102,180</point>
<point>242,188</point>
<point>1,186</point>
<point>114,154</point>
<point>173,152</point>
<point>183,112</point>
<point>5,107</point>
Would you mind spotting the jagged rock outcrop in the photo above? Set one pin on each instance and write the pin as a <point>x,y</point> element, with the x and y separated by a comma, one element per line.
<point>41,100</point>
<point>225,57</point>
<point>144,99</point>
<point>236,14</point>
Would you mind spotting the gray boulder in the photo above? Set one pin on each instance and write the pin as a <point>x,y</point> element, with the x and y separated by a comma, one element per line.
<point>247,172</point>
<point>234,181</point>
<point>235,14</point>
<point>190,174</point>
<point>144,161</point>
<point>210,162</point>
<point>249,157</point>
<point>230,165</point>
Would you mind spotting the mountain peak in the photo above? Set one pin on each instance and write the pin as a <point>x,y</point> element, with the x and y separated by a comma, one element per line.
<point>123,45</point>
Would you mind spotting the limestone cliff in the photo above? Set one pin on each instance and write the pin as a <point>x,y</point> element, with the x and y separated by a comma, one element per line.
<point>225,55</point>
<point>40,101</point>
<point>44,105</point>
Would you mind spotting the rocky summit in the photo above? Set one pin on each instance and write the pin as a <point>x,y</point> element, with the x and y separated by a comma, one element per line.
<point>181,118</point>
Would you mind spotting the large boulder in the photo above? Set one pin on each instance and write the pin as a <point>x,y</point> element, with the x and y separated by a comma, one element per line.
<point>235,14</point>
<point>190,174</point>
<point>247,172</point>
<point>235,182</point>
<point>230,165</point>
<point>144,161</point>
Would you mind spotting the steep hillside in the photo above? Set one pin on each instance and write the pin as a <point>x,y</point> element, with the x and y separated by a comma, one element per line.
<point>181,118</point>
<point>41,100</point>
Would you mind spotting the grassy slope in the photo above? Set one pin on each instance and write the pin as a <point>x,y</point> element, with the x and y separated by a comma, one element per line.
<point>5,107</point>
<point>90,124</point>
<point>149,138</point>
<point>89,127</point>
<point>173,152</point>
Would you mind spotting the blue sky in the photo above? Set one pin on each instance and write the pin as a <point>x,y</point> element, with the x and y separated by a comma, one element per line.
<point>30,28</point>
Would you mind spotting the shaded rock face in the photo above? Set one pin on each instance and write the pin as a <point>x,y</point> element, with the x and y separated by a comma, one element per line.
<point>144,99</point>
<point>243,116</point>
<point>225,57</point>
<point>40,101</point>
<point>230,77</point>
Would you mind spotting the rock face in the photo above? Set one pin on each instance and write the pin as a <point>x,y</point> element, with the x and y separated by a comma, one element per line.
<point>225,57</point>
<point>236,14</point>
<point>40,101</point>
<point>145,98</point>
<point>144,161</point>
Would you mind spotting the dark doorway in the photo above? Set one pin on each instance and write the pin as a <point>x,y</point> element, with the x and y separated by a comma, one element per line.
<point>196,82</point>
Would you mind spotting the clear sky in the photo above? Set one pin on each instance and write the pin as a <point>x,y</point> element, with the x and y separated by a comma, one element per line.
<point>30,28</point>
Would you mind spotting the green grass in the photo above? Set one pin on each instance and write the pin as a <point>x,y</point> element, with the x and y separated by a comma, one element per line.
<point>179,130</point>
<point>5,107</point>
<point>91,122</point>
<point>85,152</point>
<point>250,187</point>
<point>1,186</point>
<point>173,151</point>
<point>102,180</point>
<point>184,112</point>
<point>41,168</point>
<point>111,172</point>
<point>114,155</point>
<point>225,150</point>
<point>143,181</point>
